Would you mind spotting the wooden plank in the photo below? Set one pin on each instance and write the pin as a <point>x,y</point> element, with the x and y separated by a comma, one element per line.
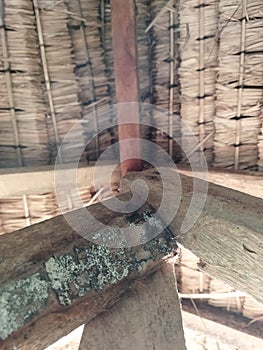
<point>39,180</point>
<point>228,236</point>
<point>147,317</point>
<point>59,280</point>
<point>243,181</point>
<point>126,80</point>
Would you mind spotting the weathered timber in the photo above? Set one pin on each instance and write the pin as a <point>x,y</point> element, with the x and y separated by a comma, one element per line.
<point>244,181</point>
<point>124,43</point>
<point>147,317</point>
<point>53,280</point>
<point>39,180</point>
<point>228,235</point>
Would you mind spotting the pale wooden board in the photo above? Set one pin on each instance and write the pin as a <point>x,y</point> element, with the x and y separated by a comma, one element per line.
<point>39,180</point>
<point>147,317</point>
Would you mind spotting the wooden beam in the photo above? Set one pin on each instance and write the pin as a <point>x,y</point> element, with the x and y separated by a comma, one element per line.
<point>244,181</point>
<point>228,236</point>
<point>49,270</point>
<point>39,180</point>
<point>124,42</point>
<point>53,280</point>
<point>147,317</point>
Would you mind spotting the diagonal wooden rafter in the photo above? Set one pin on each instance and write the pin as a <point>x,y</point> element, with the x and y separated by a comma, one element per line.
<point>45,267</point>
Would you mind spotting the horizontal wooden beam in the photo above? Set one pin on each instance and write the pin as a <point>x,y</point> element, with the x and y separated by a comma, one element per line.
<point>59,280</point>
<point>244,181</point>
<point>39,180</point>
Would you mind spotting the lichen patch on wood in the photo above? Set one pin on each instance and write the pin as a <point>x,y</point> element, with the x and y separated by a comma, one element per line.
<point>78,268</point>
<point>20,301</point>
<point>93,267</point>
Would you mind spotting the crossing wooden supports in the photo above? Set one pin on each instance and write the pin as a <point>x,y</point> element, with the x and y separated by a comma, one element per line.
<point>228,235</point>
<point>53,280</point>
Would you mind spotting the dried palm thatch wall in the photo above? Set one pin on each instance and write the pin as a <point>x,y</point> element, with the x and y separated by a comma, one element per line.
<point>201,61</point>
<point>164,74</point>
<point>239,84</point>
<point>21,211</point>
<point>197,72</point>
<point>24,136</point>
<point>60,87</point>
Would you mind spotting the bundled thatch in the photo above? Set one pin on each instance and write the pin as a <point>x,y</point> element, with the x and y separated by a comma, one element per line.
<point>143,18</point>
<point>60,85</point>
<point>87,21</point>
<point>260,149</point>
<point>107,46</point>
<point>239,84</point>
<point>23,137</point>
<point>21,211</point>
<point>200,61</point>
<point>18,212</point>
<point>85,31</point>
<point>191,281</point>
<point>164,72</point>
<point>198,53</point>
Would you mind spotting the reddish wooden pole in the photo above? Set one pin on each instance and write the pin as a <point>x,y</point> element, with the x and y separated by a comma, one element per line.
<point>126,81</point>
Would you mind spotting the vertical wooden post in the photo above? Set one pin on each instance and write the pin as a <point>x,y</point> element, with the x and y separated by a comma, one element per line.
<point>126,81</point>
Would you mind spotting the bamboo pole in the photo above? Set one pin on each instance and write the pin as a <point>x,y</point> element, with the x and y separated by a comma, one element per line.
<point>47,78</point>
<point>7,68</point>
<point>171,87</point>
<point>240,83</point>
<point>201,75</point>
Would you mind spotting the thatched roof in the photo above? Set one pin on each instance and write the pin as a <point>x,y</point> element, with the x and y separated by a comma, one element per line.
<point>203,63</point>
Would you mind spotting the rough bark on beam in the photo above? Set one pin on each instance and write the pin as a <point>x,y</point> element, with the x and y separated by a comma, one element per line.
<point>147,317</point>
<point>228,236</point>
<point>53,280</point>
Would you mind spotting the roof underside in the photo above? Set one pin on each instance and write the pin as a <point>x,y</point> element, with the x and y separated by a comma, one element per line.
<point>201,63</point>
